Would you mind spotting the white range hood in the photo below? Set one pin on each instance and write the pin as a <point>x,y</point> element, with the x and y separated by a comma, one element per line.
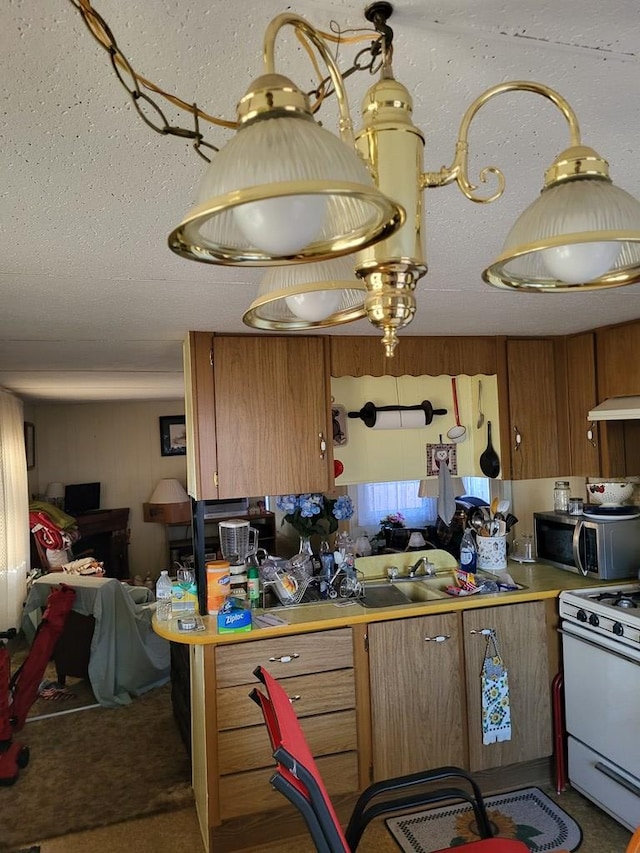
<point>616,409</point>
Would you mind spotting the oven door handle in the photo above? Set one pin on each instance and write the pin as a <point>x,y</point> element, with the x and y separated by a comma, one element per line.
<point>613,647</point>
<point>577,532</point>
<point>616,777</point>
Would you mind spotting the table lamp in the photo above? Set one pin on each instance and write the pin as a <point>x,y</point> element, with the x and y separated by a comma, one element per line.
<point>169,504</point>
<point>55,494</point>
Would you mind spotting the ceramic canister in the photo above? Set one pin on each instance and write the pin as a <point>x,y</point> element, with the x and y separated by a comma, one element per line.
<point>492,552</point>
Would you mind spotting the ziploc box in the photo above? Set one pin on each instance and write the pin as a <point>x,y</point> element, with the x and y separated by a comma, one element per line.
<point>184,600</point>
<point>233,619</point>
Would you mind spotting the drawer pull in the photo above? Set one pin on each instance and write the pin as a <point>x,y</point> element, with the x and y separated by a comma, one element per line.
<point>440,638</point>
<point>295,698</point>
<point>616,777</point>
<point>284,658</point>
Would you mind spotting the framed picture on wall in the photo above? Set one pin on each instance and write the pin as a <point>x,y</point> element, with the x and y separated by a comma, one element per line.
<point>30,444</point>
<point>173,435</point>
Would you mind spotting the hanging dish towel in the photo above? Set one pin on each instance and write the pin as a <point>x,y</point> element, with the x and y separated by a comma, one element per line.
<point>496,710</point>
<point>446,497</point>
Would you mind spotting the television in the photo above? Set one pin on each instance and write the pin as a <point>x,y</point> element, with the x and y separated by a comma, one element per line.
<point>80,498</point>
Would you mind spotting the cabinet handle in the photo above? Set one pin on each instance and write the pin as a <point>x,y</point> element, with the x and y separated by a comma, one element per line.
<point>484,631</point>
<point>517,438</point>
<point>284,658</point>
<point>295,698</point>
<point>323,445</point>
<point>590,435</point>
<point>440,638</point>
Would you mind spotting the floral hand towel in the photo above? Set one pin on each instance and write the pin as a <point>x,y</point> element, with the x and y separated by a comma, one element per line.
<point>496,710</point>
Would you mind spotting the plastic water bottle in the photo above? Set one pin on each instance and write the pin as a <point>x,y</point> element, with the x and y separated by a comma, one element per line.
<point>163,597</point>
<point>468,551</point>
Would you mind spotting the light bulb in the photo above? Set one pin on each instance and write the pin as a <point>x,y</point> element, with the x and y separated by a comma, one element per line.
<point>314,306</point>
<point>580,262</point>
<point>284,225</point>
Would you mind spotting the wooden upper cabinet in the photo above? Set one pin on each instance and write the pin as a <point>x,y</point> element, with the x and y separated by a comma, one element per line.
<point>533,410</point>
<point>581,398</point>
<point>261,417</point>
<point>414,356</point>
<point>618,360</point>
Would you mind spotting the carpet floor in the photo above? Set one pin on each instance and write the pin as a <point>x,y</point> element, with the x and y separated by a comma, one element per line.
<point>96,767</point>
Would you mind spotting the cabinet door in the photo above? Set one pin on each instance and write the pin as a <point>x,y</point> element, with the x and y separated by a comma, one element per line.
<point>258,413</point>
<point>272,415</point>
<point>618,358</point>
<point>581,397</point>
<point>522,640</point>
<point>533,411</point>
<point>417,694</point>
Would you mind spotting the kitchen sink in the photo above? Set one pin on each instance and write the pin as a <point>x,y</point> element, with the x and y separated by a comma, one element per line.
<point>404,590</point>
<point>387,594</point>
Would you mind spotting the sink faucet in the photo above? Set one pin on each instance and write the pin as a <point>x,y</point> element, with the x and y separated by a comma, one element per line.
<point>421,563</point>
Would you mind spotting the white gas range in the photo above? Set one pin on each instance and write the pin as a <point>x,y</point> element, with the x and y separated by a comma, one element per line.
<point>601,661</point>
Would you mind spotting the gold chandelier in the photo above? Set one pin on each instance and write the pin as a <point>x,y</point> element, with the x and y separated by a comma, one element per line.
<point>338,218</point>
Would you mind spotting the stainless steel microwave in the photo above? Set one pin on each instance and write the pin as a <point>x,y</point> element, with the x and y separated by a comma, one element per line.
<point>607,550</point>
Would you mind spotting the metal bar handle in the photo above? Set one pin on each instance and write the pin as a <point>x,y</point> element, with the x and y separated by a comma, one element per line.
<point>616,777</point>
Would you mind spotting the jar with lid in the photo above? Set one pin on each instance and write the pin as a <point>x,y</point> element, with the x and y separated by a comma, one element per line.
<point>561,496</point>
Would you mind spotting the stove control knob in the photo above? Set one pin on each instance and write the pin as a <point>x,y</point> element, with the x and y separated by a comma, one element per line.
<point>618,630</point>
<point>581,616</point>
<point>593,620</point>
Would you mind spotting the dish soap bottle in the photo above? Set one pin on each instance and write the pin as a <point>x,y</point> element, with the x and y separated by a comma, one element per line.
<point>468,551</point>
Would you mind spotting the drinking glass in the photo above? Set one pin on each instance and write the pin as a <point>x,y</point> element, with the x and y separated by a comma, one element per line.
<point>185,577</point>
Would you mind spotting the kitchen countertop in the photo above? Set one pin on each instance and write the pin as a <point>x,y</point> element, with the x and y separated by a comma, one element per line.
<point>541,582</point>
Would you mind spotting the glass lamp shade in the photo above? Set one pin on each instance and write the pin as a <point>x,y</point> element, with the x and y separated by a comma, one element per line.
<point>579,234</point>
<point>306,296</point>
<point>294,187</point>
<point>169,492</point>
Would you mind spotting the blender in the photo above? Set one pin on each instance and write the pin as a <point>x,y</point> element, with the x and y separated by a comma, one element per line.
<point>237,540</point>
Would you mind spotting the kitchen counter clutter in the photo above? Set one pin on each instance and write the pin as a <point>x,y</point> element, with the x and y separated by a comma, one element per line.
<point>380,691</point>
<point>538,580</point>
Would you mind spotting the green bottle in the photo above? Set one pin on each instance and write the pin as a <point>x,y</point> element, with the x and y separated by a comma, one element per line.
<point>253,586</point>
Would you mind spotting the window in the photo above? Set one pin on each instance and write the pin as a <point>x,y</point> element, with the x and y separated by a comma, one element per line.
<point>372,501</point>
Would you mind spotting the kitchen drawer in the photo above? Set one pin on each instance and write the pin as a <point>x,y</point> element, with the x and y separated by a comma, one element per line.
<point>311,694</point>
<point>249,748</point>
<point>248,793</point>
<point>284,657</point>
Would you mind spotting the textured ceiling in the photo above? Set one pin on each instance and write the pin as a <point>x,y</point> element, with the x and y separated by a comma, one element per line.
<point>95,306</point>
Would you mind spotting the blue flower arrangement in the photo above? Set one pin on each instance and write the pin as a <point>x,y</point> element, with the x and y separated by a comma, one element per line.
<point>309,514</point>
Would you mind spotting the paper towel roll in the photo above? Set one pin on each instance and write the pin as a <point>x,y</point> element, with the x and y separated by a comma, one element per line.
<point>400,420</point>
<point>412,420</point>
<point>387,420</point>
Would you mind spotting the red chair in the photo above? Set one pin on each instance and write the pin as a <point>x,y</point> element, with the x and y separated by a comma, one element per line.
<point>297,777</point>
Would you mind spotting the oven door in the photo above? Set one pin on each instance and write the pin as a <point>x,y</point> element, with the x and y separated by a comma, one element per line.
<point>602,692</point>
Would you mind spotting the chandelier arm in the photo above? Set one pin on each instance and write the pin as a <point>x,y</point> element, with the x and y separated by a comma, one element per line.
<point>345,123</point>
<point>458,171</point>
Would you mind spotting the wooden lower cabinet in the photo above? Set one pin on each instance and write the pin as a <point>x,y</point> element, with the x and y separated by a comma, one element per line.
<point>521,633</point>
<point>232,756</point>
<point>417,694</point>
<point>426,700</point>
<point>374,700</point>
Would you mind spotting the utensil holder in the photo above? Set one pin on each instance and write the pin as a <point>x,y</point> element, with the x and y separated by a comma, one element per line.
<point>492,552</point>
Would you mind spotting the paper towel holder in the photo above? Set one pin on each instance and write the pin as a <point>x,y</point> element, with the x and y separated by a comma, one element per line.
<point>369,412</point>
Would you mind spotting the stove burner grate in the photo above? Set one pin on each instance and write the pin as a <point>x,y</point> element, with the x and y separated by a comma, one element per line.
<point>617,598</point>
